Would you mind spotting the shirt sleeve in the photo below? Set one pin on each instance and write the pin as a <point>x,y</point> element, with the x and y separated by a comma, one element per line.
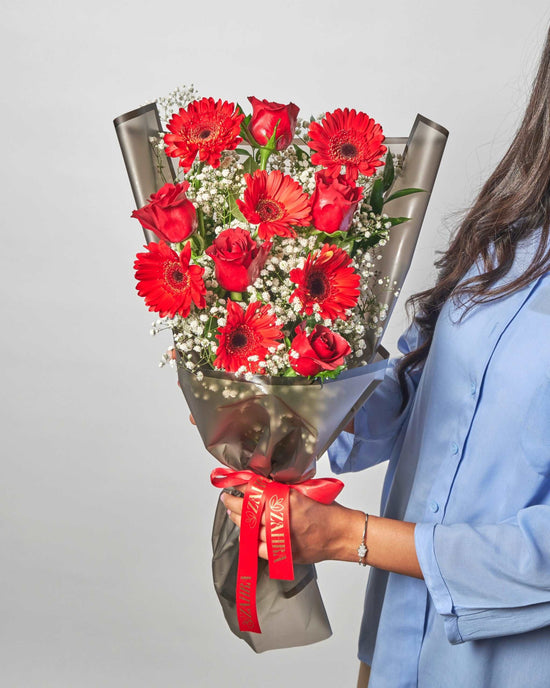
<point>488,580</point>
<point>379,424</point>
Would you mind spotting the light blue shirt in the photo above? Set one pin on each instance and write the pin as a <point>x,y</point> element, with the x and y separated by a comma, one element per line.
<point>469,463</point>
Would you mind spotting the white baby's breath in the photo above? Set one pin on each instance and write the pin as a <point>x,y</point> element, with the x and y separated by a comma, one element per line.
<point>214,193</point>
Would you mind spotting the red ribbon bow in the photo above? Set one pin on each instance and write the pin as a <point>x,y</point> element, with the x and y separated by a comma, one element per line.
<point>265,494</point>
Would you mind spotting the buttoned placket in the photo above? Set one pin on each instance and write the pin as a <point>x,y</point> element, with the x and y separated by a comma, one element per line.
<point>439,494</point>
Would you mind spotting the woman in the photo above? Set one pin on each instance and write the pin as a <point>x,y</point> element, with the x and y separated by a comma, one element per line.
<point>459,593</point>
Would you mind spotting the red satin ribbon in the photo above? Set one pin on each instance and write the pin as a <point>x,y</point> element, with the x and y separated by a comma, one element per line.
<point>265,494</point>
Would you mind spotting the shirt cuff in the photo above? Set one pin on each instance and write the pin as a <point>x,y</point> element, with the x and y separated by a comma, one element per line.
<point>441,597</point>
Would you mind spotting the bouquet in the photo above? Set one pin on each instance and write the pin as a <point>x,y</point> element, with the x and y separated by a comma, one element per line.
<point>263,260</point>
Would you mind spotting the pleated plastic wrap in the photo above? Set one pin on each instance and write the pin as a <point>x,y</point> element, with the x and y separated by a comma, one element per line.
<point>279,427</point>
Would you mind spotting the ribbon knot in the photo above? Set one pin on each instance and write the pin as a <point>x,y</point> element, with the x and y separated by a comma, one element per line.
<point>264,494</point>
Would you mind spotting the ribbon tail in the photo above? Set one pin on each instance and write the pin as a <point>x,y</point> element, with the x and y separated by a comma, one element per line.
<point>247,571</point>
<point>277,523</point>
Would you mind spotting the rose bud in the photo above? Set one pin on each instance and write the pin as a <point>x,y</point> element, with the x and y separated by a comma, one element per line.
<point>169,213</point>
<point>237,257</point>
<point>334,202</point>
<point>321,350</point>
<point>267,115</point>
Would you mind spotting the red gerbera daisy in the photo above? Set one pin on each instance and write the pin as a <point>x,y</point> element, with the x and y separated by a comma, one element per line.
<point>247,333</point>
<point>350,138</point>
<point>206,127</point>
<point>328,279</point>
<point>167,281</point>
<point>276,202</point>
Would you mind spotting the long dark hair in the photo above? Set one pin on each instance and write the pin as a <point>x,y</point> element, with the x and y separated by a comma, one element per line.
<point>513,202</point>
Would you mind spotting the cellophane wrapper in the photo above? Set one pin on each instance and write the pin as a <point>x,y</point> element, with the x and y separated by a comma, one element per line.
<point>276,427</point>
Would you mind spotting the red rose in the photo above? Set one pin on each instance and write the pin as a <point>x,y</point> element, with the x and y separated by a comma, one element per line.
<point>265,116</point>
<point>169,213</point>
<point>321,350</point>
<point>238,259</point>
<point>334,202</point>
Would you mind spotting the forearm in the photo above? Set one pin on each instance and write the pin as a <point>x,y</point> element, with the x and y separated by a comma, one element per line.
<point>390,543</point>
<point>320,532</point>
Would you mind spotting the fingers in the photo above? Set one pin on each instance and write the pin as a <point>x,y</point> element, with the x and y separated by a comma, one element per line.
<point>191,420</point>
<point>262,546</point>
<point>262,551</point>
<point>232,503</point>
<point>236,518</point>
<point>234,507</point>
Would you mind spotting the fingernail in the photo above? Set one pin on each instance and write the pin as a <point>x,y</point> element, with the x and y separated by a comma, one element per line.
<point>229,512</point>
<point>222,497</point>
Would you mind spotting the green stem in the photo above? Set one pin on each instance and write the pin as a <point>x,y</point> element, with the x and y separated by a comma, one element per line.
<point>200,218</point>
<point>264,157</point>
<point>199,243</point>
<point>159,164</point>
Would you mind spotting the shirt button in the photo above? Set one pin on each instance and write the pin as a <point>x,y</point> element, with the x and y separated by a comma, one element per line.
<point>434,506</point>
<point>473,389</point>
<point>454,448</point>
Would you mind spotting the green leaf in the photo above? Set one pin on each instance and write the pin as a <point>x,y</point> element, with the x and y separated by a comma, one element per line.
<point>403,192</point>
<point>250,165</point>
<point>197,245</point>
<point>299,152</point>
<point>243,151</point>
<point>234,208</point>
<point>397,220</point>
<point>245,133</point>
<point>271,144</point>
<point>377,196</point>
<point>269,147</point>
<point>329,374</point>
<point>349,247</point>
<point>389,171</point>
<point>290,372</point>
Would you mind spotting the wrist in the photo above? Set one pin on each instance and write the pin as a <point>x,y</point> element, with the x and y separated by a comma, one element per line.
<point>348,534</point>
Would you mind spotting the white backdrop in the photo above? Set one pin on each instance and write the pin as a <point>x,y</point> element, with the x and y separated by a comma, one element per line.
<point>105,502</point>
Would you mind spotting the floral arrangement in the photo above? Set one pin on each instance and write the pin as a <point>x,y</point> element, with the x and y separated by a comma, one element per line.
<point>268,237</point>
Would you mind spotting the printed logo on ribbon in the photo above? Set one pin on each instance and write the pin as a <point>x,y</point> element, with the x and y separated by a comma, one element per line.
<point>276,504</point>
<point>255,494</point>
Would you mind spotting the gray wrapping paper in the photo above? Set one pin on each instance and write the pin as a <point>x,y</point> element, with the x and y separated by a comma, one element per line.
<point>148,168</point>
<point>279,427</point>
<point>421,159</point>
<point>291,613</point>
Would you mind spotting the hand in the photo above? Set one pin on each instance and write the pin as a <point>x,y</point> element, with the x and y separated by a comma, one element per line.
<point>317,531</point>
<point>350,427</point>
<point>191,420</point>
